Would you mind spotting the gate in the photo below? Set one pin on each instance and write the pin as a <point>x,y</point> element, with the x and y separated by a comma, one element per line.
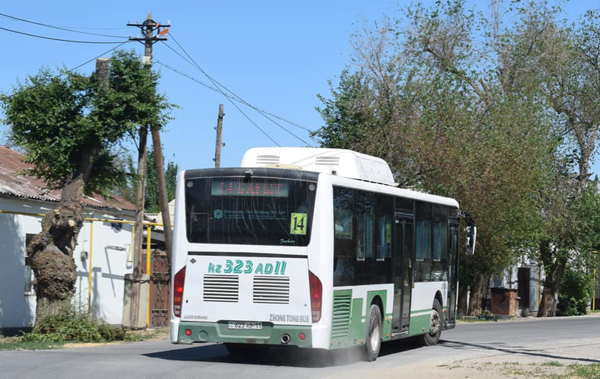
<point>160,289</point>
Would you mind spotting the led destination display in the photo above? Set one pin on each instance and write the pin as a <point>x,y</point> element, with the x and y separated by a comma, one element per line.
<point>229,187</point>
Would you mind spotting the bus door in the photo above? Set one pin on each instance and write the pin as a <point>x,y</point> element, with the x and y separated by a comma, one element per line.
<point>453,244</point>
<point>402,272</point>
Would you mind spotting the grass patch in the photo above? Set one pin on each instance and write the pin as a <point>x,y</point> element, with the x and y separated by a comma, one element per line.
<point>591,371</point>
<point>69,325</point>
<point>481,316</point>
<point>552,364</point>
<point>18,344</point>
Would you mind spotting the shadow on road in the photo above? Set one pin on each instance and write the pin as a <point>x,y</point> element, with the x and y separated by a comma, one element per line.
<point>513,350</point>
<point>281,356</point>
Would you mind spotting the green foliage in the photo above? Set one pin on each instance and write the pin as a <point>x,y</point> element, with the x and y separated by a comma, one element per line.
<point>591,371</point>
<point>152,199</point>
<point>70,324</point>
<point>574,296</point>
<point>501,120</point>
<point>63,120</point>
<point>348,115</point>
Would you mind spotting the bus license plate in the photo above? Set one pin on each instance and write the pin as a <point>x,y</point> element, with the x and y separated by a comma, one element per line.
<point>244,325</point>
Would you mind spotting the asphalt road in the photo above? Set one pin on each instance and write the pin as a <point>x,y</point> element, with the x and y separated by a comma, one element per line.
<point>551,339</point>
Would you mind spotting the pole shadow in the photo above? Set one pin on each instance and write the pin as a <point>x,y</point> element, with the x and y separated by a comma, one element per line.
<point>514,350</point>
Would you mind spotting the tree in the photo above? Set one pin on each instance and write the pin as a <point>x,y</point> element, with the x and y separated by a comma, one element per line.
<point>453,122</point>
<point>69,126</point>
<point>152,201</point>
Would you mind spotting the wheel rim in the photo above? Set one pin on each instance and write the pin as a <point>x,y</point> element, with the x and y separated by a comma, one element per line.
<point>435,322</point>
<point>375,335</point>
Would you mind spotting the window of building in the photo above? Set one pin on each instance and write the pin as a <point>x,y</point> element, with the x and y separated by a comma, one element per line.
<point>28,273</point>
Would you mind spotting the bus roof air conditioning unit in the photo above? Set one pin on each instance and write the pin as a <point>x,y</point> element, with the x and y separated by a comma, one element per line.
<point>345,163</point>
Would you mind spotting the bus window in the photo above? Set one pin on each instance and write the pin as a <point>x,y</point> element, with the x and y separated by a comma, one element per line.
<point>440,240</point>
<point>364,248</point>
<point>423,239</point>
<point>384,237</point>
<point>343,251</point>
<point>259,211</point>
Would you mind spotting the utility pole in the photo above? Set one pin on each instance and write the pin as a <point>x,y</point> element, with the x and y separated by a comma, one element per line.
<point>102,75</point>
<point>219,142</point>
<point>148,28</point>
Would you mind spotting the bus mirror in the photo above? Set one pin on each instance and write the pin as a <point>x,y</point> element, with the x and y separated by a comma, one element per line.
<point>471,236</point>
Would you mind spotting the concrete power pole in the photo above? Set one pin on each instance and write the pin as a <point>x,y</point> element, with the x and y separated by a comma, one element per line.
<point>219,141</point>
<point>138,291</point>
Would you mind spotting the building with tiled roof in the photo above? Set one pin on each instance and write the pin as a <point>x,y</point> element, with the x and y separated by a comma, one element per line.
<point>103,255</point>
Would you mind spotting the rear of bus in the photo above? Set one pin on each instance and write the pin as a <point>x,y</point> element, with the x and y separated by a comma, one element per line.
<point>241,257</point>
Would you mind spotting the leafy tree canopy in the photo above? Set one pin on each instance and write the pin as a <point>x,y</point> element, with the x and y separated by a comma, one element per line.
<point>59,118</point>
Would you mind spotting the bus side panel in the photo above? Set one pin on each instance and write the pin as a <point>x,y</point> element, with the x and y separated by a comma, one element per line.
<point>423,295</point>
<point>180,247</point>
<point>320,259</point>
<point>350,311</point>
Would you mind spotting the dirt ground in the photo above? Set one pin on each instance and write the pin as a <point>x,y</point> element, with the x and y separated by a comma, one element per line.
<point>555,360</point>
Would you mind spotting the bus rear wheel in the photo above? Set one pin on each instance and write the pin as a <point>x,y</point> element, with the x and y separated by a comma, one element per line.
<point>374,333</point>
<point>435,326</point>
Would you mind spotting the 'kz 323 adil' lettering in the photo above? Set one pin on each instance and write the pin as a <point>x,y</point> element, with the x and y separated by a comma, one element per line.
<point>248,267</point>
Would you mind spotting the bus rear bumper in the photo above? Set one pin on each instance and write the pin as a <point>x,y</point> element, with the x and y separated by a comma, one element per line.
<point>190,332</point>
<point>174,331</point>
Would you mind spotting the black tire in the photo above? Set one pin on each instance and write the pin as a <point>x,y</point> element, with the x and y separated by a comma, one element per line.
<point>247,350</point>
<point>374,334</point>
<point>435,326</point>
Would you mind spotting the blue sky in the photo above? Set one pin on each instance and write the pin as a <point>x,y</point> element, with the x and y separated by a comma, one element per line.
<point>276,55</point>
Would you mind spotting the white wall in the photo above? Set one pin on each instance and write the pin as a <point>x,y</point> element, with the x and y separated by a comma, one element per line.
<point>109,265</point>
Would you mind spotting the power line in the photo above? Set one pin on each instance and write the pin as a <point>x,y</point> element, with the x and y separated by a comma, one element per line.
<point>188,76</point>
<point>230,91</point>
<point>58,39</point>
<point>235,97</point>
<point>216,83</point>
<point>58,27</point>
<point>93,59</point>
<point>76,67</point>
<point>238,108</point>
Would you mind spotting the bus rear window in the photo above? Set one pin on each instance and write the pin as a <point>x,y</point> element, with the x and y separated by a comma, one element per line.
<point>258,211</point>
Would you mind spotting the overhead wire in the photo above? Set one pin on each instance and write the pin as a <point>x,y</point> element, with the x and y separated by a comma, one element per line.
<point>93,59</point>
<point>58,27</point>
<point>234,94</point>
<point>81,65</point>
<point>242,112</point>
<point>59,39</point>
<point>238,98</point>
<point>212,89</point>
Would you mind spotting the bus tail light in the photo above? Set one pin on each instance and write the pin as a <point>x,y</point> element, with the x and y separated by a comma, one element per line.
<point>178,291</point>
<point>316,295</point>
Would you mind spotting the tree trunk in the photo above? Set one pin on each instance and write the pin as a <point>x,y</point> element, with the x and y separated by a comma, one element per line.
<point>554,269</point>
<point>51,251</point>
<point>462,300</point>
<point>478,294</point>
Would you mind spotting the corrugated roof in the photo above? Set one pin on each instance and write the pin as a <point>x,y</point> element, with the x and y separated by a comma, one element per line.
<point>13,182</point>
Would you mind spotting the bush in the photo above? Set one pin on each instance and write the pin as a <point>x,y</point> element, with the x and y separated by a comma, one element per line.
<point>72,325</point>
<point>574,295</point>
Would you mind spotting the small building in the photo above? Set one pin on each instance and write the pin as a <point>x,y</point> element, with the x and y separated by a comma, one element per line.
<point>516,290</point>
<point>103,255</point>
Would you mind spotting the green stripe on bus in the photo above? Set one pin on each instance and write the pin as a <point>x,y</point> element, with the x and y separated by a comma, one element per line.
<point>349,326</point>
<point>419,325</point>
<point>421,310</point>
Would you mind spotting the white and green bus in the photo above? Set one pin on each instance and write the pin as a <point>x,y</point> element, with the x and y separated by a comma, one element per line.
<point>315,248</point>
